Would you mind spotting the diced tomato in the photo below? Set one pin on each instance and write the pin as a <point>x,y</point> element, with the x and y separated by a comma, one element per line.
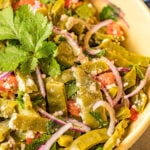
<point>67,3</point>
<point>9,85</point>
<point>106,78</point>
<point>134,114</point>
<point>29,140</point>
<point>72,3</point>
<point>73,108</point>
<point>2,88</point>
<point>22,2</point>
<point>36,5</point>
<point>114,29</point>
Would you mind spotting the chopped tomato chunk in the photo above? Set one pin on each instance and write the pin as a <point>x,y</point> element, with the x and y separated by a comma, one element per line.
<point>67,3</point>
<point>114,29</point>
<point>22,2</point>
<point>9,85</point>
<point>106,78</point>
<point>29,140</point>
<point>134,114</point>
<point>36,5</point>
<point>73,109</point>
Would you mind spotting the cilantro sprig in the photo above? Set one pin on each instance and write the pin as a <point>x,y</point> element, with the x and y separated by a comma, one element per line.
<point>109,12</point>
<point>31,30</point>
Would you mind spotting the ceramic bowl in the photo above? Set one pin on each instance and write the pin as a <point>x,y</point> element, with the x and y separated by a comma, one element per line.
<point>137,15</point>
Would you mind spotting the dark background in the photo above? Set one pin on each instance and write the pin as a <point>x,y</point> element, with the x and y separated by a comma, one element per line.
<point>147,2</point>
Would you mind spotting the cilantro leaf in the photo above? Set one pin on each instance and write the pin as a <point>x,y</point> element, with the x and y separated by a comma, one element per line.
<point>33,29</point>
<point>36,143</point>
<point>52,127</point>
<point>50,66</point>
<point>108,12</point>
<point>7,29</point>
<point>30,30</point>
<point>54,68</point>
<point>28,66</point>
<point>11,57</point>
<point>46,49</point>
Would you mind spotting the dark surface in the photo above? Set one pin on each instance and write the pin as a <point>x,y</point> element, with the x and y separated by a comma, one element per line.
<point>147,2</point>
<point>143,143</point>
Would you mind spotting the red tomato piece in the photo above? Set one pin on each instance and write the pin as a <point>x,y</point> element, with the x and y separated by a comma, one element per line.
<point>22,2</point>
<point>114,29</point>
<point>134,114</point>
<point>9,85</point>
<point>67,3</point>
<point>73,109</point>
<point>106,78</point>
<point>29,140</point>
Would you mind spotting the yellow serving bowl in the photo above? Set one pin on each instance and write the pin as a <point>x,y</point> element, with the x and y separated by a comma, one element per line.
<point>137,15</point>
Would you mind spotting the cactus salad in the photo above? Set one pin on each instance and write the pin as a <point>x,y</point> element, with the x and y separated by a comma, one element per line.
<point>66,79</point>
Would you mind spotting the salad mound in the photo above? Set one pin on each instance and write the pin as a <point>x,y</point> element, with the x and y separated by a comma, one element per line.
<point>66,79</point>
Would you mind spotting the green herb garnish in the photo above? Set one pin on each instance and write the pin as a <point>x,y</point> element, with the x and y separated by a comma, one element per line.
<point>32,32</point>
<point>36,143</point>
<point>108,12</point>
<point>52,127</point>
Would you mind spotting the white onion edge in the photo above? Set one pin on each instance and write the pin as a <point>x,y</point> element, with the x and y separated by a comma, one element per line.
<point>111,112</point>
<point>56,135</point>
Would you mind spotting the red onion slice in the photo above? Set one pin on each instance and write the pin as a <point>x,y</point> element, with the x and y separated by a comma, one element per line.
<point>4,75</point>
<point>40,82</point>
<point>56,135</point>
<point>123,69</point>
<point>47,115</point>
<point>141,85</point>
<point>51,117</point>
<point>111,113</point>
<point>91,32</point>
<point>118,80</point>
